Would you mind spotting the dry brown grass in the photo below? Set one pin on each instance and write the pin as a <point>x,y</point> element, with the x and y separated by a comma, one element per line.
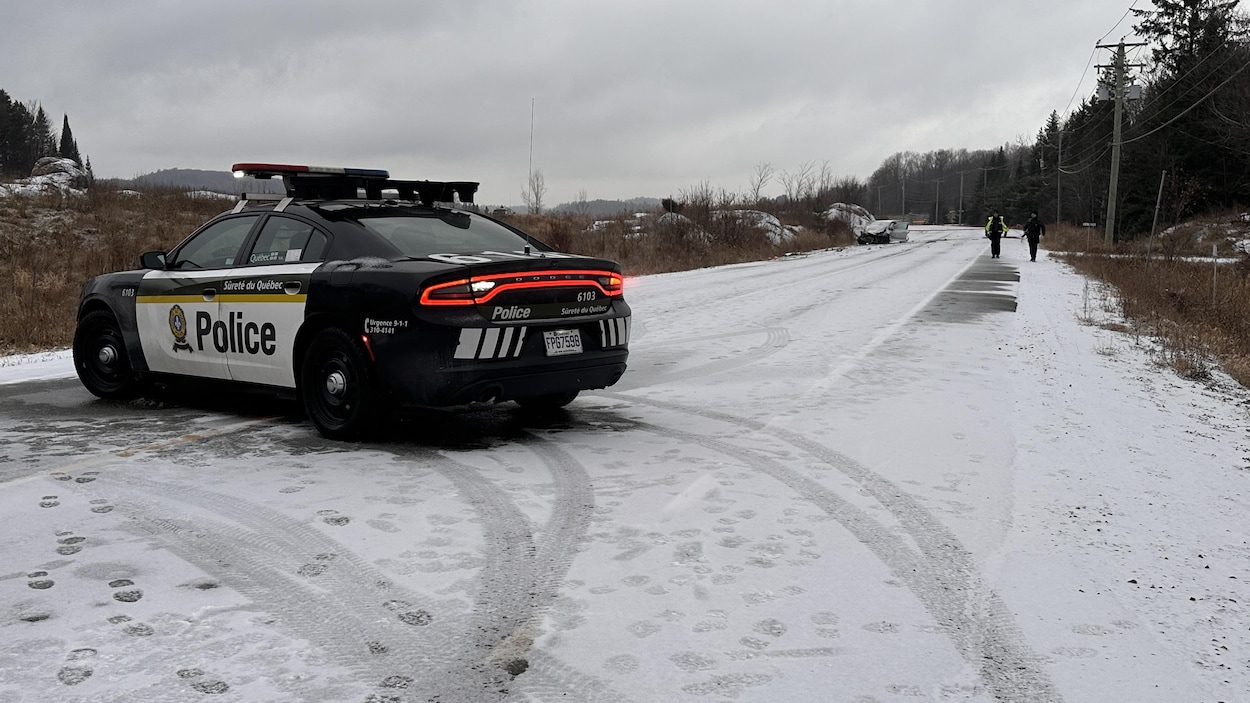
<point>50,245</point>
<point>1173,290</point>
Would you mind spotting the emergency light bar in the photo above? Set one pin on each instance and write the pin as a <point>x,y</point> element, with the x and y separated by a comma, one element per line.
<point>263,171</point>
<point>332,183</point>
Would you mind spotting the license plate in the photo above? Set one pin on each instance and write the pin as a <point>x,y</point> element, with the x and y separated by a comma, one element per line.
<point>561,342</point>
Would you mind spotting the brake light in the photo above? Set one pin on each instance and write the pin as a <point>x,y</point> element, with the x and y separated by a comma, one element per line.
<point>453,293</point>
<point>479,290</point>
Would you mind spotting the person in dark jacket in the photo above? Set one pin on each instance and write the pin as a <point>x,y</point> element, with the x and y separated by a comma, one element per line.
<point>995,229</point>
<point>1033,230</point>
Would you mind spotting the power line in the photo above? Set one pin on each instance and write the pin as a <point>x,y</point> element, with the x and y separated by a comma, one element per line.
<point>1182,80</point>
<point>1117,24</point>
<point>1067,110</point>
<point>1198,102</point>
<point>1092,162</point>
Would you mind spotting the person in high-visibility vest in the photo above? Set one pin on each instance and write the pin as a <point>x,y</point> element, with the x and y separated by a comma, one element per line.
<point>995,229</point>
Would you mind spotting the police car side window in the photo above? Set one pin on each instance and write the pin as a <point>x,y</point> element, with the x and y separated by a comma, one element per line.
<point>216,246</point>
<point>285,240</point>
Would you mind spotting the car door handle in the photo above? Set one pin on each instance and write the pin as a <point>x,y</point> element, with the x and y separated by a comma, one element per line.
<point>291,287</point>
<point>209,294</point>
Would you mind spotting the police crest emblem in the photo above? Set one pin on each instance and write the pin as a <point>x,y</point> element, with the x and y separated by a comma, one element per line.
<point>178,326</point>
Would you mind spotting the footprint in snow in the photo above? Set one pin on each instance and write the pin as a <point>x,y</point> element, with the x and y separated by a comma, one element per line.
<point>69,545</point>
<point>39,580</point>
<point>125,594</point>
<point>201,682</point>
<point>77,673</point>
<point>332,517</point>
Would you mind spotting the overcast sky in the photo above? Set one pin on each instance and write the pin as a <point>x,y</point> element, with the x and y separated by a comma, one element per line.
<point>629,98</point>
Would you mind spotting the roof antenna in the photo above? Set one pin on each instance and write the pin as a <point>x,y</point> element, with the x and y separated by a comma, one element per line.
<point>530,182</point>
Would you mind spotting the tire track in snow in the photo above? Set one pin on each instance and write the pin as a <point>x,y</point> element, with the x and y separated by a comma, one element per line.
<point>939,571</point>
<point>350,610</point>
<point>520,580</point>
<point>776,338</point>
<point>342,603</point>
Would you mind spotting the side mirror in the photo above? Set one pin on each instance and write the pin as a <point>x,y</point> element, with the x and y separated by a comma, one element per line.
<point>152,260</point>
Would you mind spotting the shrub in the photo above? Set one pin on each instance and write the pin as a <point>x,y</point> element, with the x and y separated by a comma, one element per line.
<point>51,244</point>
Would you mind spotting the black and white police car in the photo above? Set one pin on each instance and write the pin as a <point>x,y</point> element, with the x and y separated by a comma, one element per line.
<point>358,294</point>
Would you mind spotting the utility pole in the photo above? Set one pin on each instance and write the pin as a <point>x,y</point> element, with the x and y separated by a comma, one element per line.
<point>961,197</point>
<point>531,164</point>
<point>1163,178</point>
<point>1058,176</point>
<point>1117,88</point>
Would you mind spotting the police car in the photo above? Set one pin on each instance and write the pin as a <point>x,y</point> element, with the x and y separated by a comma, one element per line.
<point>358,294</point>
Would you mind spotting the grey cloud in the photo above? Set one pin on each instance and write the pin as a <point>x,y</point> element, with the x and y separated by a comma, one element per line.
<point>639,98</point>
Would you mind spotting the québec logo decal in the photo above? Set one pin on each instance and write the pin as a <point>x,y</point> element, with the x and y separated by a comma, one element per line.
<point>178,326</point>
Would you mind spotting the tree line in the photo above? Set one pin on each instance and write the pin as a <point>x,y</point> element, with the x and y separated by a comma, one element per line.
<point>26,135</point>
<point>1185,143</point>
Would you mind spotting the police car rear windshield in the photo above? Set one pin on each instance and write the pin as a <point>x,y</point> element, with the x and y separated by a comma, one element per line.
<point>442,232</point>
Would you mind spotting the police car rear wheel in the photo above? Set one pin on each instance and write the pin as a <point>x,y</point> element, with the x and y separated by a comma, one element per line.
<point>100,358</point>
<point>338,387</point>
<point>551,401</point>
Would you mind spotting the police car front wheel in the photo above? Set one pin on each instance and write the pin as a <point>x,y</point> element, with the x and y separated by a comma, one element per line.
<point>338,386</point>
<point>100,358</point>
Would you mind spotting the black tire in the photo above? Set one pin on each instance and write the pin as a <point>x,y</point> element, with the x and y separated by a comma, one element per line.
<point>551,401</point>
<point>100,358</point>
<point>338,387</point>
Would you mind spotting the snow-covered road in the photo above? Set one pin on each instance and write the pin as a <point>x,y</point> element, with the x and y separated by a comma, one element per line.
<point>894,472</point>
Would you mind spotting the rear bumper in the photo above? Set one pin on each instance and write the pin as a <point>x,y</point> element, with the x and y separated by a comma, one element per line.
<point>498,386</point>
<point>426,380</point>
<point>442,365</point>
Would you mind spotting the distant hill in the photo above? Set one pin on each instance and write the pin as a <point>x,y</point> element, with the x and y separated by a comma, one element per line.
<point>194,179</point>
<point>606,208</point>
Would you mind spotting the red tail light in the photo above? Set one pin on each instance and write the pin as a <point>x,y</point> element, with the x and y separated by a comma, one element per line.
<point>479,290</point>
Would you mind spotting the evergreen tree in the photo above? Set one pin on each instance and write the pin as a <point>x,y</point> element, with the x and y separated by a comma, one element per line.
<point>1182,32</point>
<point>43,138</point>
<point>6,130</point>
<point>21,147</point>
<point>69,147</point>
<point>15,122</point>
<point>1182,127</point>
<point>26,135</point>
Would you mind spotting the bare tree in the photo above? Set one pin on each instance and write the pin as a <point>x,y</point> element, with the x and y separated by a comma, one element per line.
<point>534,192</point>
<point>760,177</point>
<point>800,183</point>
<point>581,206</point>
<point>824,181</point>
